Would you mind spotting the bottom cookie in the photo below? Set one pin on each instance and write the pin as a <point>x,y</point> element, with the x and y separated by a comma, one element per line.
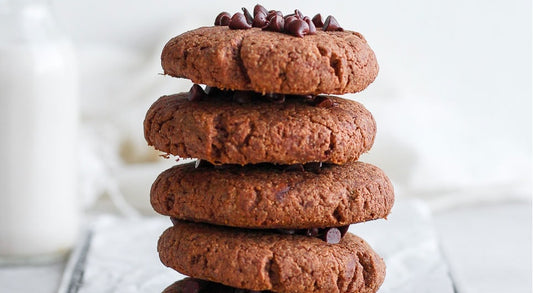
<point>260,260</point>
<point>191,285</point>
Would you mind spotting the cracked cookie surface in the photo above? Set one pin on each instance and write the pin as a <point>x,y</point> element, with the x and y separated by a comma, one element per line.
<point>259,260</point>
<point>293,132</point>
<point>270,62</point>
<point>269,197</point>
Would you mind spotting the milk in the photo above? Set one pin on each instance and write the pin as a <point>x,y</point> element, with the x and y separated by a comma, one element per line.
<point>39,216</point>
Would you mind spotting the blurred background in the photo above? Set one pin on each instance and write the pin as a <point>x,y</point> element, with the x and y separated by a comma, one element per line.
<point>452,99</point>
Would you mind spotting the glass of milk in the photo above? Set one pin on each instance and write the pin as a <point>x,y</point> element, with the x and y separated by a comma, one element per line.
<point>39,216</point>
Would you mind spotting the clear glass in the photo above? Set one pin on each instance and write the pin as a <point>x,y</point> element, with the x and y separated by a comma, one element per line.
<point>39,214</point>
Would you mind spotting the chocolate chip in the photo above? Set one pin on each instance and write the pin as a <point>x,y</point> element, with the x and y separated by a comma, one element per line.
<point>298,28</point>
<point>260,19</point>
<point>196,93</point>
<point>317,21</point>
<point>287,231</point>
<point>312,27</point>
<point>273,13</point>
<point>275,98</point>
<point>281,194</point>
<point>238,21</point>
<point>243,97</point>
<point>174,221</point>
<point>298,13</point>
<point>331,24</point>
<point>275,24</point>
<point>323,102</point>
<point>312,232</point>
<point>295,167</point>
<point>216,92</point>
<point>249,17</point>
<point>202,163</point>
<point>213,91</point>
<point>259,8</point>
<point>315,167</point>
<point>226,167</point>
<point>288,19</point>
<point>332,236</point>
<point>343,230</point>
<point>223,19</point>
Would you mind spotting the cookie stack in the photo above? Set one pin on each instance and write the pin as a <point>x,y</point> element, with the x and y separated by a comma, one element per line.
<point>267,205</point>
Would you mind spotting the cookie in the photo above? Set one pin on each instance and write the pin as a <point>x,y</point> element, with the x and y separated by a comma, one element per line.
<point>191,285</point>
<point>223,131</point>
<point>258,260</point>
<point>337,62</point>
<point>267,197</point>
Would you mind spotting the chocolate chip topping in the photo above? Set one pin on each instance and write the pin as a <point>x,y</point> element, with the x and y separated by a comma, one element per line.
<point>223,19</point>
<point>243,97</point>
<point>260,9</point>
<point>299,28</point>
<point>331,24</point>
<point>275,98</point>
<point>332,235</point>
<point>174,220</point>
<point>295,167</point>
<point>323,102</point>
<point>275,24</point>
<point>202,163</point>
<point>312,27</point>
<point>238,21</point>
<point>313,167</point>
<point>288,19</point>
<point>273,13</point>
<point>260,19</point>
<point>196,93</point>
<point>295,24</point>
<point>343,229</point>
<point>317,20</point>
<point>247,15</point>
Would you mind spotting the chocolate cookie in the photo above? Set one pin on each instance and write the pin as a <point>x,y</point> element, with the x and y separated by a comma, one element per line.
<point>333,62</point>
<point>192,285</point>
<point>267,196</point>
<point>258,260</point>
<point>222,131</point>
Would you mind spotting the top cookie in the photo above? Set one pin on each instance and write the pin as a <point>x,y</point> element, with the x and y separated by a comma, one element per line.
<point>336,62</point>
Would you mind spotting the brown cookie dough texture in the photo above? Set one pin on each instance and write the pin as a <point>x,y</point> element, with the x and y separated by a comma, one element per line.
<point>270,62</point>
<point>293,132</point>
<point>268,197</point>
<point>259,260</point>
